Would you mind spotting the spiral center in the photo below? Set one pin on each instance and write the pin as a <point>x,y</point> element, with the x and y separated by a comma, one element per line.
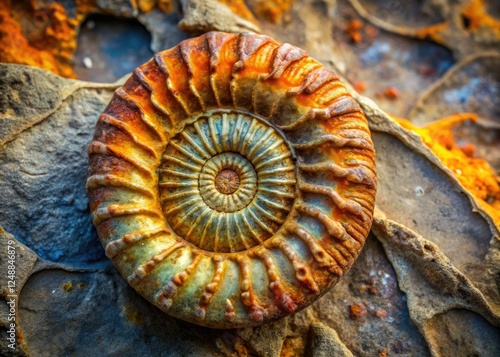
<point>227,181</point>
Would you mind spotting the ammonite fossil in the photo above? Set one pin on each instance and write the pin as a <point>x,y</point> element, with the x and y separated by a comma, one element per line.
<point>232,180</point>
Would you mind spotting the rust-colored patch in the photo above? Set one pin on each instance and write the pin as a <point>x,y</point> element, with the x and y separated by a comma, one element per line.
<point>360,32</point>
<point>474,173</point>
<point>241,348</point>
<point>357,311</point>
<point>272,10</point>
<point>353,29</point>
<point>232,345</point>
<point>293,346</point>
<point>370,287</point>
<point>380,313</point>
<point>433,32</point>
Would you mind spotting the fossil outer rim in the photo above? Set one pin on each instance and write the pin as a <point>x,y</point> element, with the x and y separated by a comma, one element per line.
<point>330,188</point>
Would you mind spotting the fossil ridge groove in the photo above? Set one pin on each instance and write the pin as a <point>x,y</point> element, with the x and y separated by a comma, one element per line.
<point>232,180</point>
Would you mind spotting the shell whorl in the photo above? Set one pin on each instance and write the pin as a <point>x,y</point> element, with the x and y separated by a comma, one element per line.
<point>202,205</point>
<point>232,180</point>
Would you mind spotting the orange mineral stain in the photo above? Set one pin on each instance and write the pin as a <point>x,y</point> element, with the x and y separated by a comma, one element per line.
<point>478,17</point>
<point>146,6</point>
<point>433,32</point>
<point>358,311</point>
<point>272,10</point>
<point>47,38</point>
<point>354,30</point>
<point>475,174</point>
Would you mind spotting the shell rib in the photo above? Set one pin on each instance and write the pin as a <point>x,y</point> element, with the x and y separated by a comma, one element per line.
<point>232,180</point>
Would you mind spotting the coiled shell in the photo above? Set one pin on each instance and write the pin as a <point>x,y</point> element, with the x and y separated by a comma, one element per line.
<point>232,180</point>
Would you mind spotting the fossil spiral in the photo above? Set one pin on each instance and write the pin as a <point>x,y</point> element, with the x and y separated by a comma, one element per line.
<point>232,180</point>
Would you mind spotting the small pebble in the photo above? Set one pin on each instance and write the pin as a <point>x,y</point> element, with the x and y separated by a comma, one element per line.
<point>359,86</point>
<point>419,191</point>
<point>380,313</point>
<point>358,311</point>
<point>341,67</point>
<point>87,62</point>
<point>391,93</point>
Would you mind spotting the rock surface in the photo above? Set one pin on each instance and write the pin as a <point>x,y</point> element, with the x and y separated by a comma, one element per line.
<point>211,15</point>
<point>425,284</point>
<point>324,342</point>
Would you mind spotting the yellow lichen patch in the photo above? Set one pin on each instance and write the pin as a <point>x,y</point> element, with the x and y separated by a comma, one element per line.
<point>68,286</point>
<point>47,38</point>
<point>146,5</point>
<point>293,346</point>
<point>272,10</point>
<point>149,5</point>
<point>133,315</point>
<point>475,174</point>
<point>478,17</point>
